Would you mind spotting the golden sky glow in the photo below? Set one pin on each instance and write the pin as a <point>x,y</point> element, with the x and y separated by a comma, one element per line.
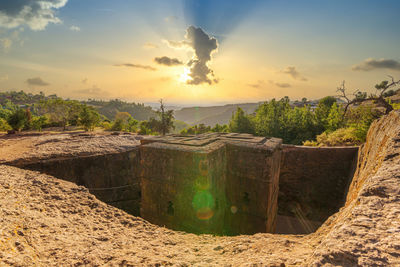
<point>258,51</point>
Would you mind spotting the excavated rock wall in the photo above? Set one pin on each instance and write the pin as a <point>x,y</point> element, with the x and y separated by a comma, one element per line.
<point>225,184</point>
<point>313,182</point>
<point>112,178</point>
<point>251,189</point>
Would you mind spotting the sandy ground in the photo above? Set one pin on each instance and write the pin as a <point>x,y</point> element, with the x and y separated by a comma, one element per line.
<point>47,221</point>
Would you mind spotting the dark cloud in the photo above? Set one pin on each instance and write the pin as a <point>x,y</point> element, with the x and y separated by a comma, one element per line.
<point>138,66</point>
<point>36,14</point>
<point>167,61</point>
<point>282,85</point>
<point>372,64</point>
<point>149,45</point>
<point>203,46</point>
<point>262,84</point>
<point>259,84</point>
<point>37,81</point>
<point>93,91</point>
<point>294,73</point>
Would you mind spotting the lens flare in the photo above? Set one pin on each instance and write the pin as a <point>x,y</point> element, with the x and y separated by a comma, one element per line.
<point>203,203</point>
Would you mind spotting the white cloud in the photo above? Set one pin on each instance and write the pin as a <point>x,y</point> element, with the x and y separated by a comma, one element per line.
<point>36,14</point>
<point>9,38</point>
<point>75,28</point>
<point>170,18</point>
<point>5,43</point>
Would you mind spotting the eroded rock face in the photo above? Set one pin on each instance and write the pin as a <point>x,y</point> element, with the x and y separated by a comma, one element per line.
<point>366,231</point>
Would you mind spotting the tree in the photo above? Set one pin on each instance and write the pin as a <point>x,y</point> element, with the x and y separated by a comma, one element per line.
<point>322,112</point>
<point>335,118</point>
<point>271,117</point>
<point>240,122</point>
<point>220,128</point>
<point>89,118</point>
<point>28,121</point>
<point>379,97</point>
<point>166,119</point>
<point>17,119</point>
<point>4,125</point>
<point>132,125</point>
<point>38,122</point>
<point>60,111</point>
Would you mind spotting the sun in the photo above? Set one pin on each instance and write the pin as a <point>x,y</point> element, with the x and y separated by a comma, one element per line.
<point>185,76</point>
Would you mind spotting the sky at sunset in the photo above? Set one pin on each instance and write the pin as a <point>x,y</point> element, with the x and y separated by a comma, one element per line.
<point>199,52</point>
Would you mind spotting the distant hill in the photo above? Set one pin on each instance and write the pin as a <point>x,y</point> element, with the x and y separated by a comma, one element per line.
<point>110,108</point>
<point>212,115</point>
<point>107,108</point>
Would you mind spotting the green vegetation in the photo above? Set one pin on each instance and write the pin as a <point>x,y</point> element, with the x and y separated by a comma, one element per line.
<point>109,109</point>
<point>89,118</point>
<point>25,111</point>
<point>240,123</point>
<point>18,119</point>
<point>327,122</point>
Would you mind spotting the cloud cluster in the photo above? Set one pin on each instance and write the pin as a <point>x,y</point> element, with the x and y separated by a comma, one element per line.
<point>138,66</point>
<point>372,64</point>
<point>170,18</point>
<point>9,39</point>
<point>5,43</point>
<point>203,46</point>
<point>37,81</point>
<point>294,73</point>
<point>36,14</point>
<point>167,61</point>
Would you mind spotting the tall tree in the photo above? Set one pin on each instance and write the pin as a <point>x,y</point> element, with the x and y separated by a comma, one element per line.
<point>240,122</point>
<point>166,119</point>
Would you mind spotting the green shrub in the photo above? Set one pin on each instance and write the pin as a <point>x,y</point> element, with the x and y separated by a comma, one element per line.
<point>38,122</point>
<point>340,137</point>
<point>17,119</point>
<point>4,126</point>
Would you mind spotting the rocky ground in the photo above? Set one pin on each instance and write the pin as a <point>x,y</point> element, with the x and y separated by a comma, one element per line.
<point>27,147</point>
<point>46,221</point>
